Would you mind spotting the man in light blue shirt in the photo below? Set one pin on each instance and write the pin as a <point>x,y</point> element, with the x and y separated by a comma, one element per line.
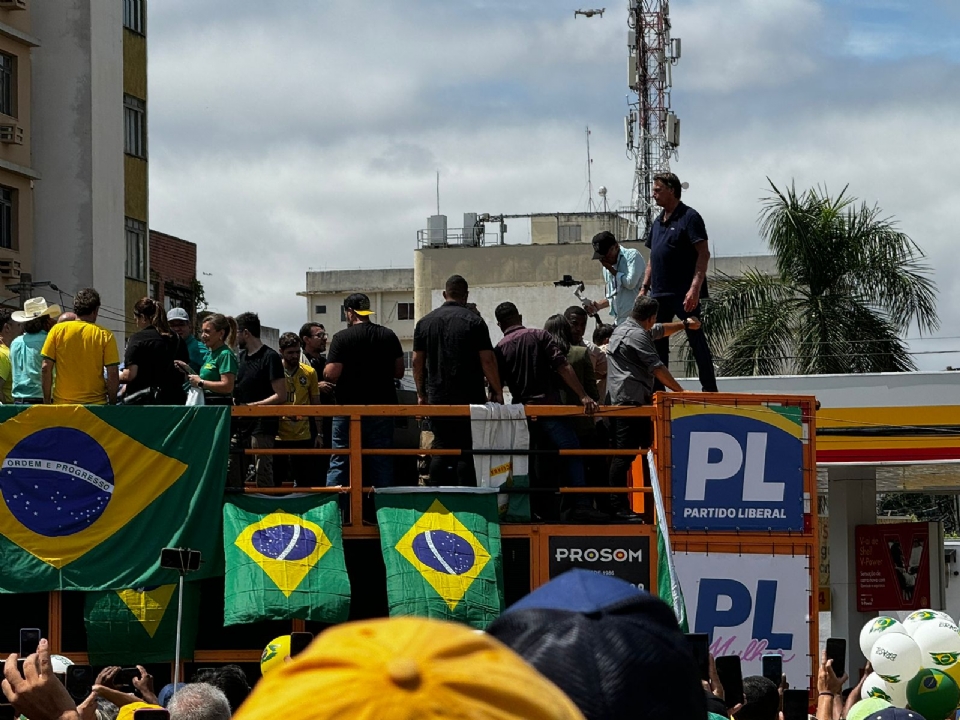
<point>623,269</point>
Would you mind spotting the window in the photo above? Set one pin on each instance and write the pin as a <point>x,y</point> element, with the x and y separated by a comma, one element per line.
<point>134,126</point>
<point>8,205</point>
<point>136,245</point>
<point>408,360</point>
<point>319,309</point>
<point>568,234</point>
<point>343,314</point>
<point>404,311</point>
<point>133,15</point>
<point>8,85</point>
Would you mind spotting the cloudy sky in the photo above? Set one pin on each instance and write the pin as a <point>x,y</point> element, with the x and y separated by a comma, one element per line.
<point>304,134</point>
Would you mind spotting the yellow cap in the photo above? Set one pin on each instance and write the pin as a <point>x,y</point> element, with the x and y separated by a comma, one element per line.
<point>127,711</point>
<point>407,669</point>
<point>275,654</point>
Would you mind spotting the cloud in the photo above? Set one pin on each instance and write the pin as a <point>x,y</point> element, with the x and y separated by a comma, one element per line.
<point>305,134</point>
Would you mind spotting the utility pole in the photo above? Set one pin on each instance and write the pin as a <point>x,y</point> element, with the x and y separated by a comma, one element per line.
<point>25,287</point>
<point>652,130</point>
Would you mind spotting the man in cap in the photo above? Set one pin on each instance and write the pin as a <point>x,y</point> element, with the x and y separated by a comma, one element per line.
<point>9,329</point>
<point>622,270</point>
<point>616,651</point>
<point>37,318</point>
<point>404,668</point>
<point>179,321</point>
<point>364,363</point>
<point>81,350</point>
<point>677,273</point>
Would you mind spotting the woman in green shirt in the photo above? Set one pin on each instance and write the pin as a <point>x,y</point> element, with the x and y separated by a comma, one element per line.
<point>219,373</point>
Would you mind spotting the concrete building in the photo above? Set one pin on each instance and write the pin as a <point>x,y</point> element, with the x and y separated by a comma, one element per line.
<point>173,271</point>
<point>90,150</point>
<point>525,274</point>
<point>17,170</point>
<point>391,298</point>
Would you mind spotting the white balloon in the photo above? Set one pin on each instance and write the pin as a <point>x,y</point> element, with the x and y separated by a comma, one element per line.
<point>919,618</point>
<point>876,686</point>
<point>872,631</point>
<point>896,658</point>
<point>939,641</point>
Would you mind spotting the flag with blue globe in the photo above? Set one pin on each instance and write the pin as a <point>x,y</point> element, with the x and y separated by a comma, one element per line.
<point>283,559</point>
<point>442,554</point>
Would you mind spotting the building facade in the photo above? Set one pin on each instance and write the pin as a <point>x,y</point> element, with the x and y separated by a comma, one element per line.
<point>90,150</point>
<point>173,271</point>
<point>17,172</point>
<point>391,298</point>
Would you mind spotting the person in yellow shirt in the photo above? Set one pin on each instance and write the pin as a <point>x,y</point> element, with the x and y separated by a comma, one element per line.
<point>8,333</point>
<point>81,350</point>
<point>296,432</point>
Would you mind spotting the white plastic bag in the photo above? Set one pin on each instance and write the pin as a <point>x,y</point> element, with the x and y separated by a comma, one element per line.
<point>194,397</point>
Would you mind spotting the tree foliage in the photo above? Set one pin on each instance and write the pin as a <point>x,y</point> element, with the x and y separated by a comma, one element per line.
<point>849,284</point>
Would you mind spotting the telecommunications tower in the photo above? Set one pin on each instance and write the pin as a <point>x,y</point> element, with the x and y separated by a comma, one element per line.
<point>652,129</point>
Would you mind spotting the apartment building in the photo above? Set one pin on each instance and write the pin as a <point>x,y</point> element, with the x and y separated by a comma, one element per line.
<point>391,298</point>
<point>89,100</point>
<point>17,172</point>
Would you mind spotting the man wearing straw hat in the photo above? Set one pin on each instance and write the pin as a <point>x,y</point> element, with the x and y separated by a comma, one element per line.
<point>37,318</point>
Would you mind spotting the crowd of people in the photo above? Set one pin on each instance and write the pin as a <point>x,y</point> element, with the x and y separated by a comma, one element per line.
<point>47,356</point>
<point>584,646</point>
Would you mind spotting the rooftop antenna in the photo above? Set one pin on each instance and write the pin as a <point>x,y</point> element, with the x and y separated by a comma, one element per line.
<point>438,192</point>
<point>602,192</point>
<point>590,205</point>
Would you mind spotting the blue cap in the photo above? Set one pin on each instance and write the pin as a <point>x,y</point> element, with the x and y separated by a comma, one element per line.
<point>581,591</point>
<point>895,713</point>
<point>166,692</point>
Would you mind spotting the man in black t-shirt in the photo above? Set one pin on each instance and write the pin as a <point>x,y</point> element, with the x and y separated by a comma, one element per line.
<point>364,362</point>
<point>452,355</point>
<point>260,381</point>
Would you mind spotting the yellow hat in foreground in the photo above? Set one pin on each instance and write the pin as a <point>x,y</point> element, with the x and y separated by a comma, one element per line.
<point>127,711</point>
<point>407,669</point>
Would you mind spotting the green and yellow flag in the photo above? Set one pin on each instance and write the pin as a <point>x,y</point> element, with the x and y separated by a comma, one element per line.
<point>127,627</point>
<point>442,554</point>
<point>90,495</point>
<point>283,559</point>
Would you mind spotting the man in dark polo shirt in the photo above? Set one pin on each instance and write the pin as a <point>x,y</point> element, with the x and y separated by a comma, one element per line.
<point>532,366</point>
<point>260,381</point>
<point>364,362</point>
<point>452,355</point>
<point>677,273</point>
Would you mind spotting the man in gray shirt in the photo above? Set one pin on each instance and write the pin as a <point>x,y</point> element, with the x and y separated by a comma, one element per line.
<point>632,366</point>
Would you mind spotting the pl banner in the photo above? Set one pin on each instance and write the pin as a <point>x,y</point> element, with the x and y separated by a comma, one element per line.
<point>750,605</point>
<point>737,468</point>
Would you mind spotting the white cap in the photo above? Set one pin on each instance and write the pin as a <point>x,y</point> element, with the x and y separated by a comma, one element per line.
<point>178,313</point>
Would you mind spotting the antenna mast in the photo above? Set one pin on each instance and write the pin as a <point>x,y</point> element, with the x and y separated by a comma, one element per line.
<point>590,205</point>
<point>652,130</point>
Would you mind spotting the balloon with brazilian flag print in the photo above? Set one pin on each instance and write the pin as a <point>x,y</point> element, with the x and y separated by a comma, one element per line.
<point>933,694</point>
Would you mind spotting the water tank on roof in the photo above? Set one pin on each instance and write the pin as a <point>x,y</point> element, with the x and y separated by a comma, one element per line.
<point>472,230</point>
<point>437,231</point>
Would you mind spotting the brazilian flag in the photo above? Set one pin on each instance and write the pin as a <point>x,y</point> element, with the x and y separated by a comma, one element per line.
<point>89,495</point>
<point>442,553</point>
<point>127,627</point>
<point>284,559</point>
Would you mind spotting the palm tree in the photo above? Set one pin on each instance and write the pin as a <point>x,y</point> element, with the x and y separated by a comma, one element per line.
<point>849,285</point>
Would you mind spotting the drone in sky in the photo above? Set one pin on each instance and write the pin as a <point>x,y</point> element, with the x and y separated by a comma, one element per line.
<point>589,13</point>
